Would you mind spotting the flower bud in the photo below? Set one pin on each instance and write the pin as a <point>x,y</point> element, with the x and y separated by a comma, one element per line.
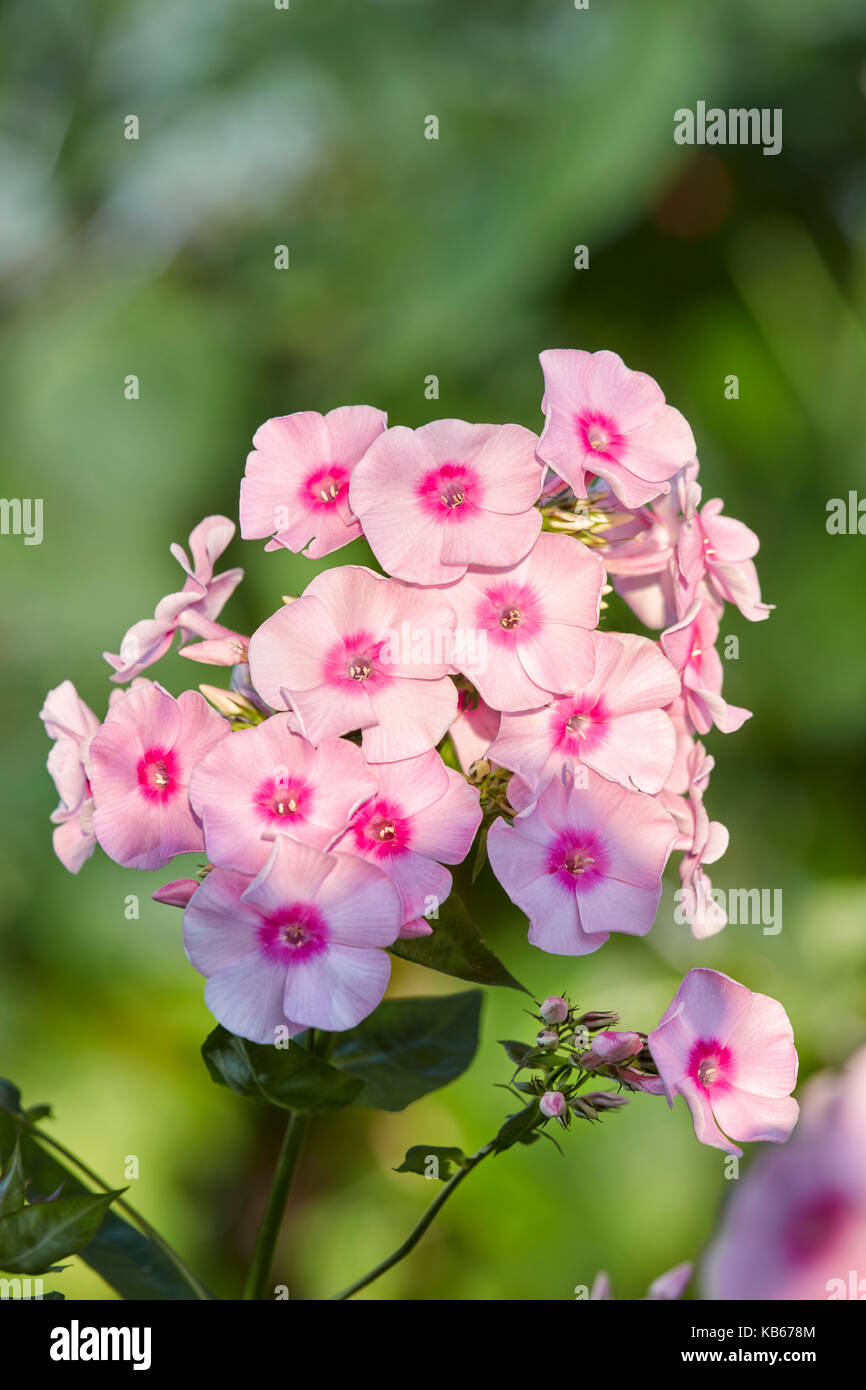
<point>552,1104</point>
<point>547,1038</point>
<point>615,1047</point>
<point>606,1100</point>
<point>554,1009</point>
<point>592,1021</point>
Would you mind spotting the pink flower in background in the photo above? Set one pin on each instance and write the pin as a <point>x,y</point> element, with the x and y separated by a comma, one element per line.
<point>299,946</point>
<point>72,724</point>
<point>434,500</point>
<point>614,724</point>
<point>357,651</point>
<point>603,420</point>
<point>690,646</point>
<point>197,604</point>
<point>473,730</point>
<point>583,862</point>
<point>296,485</point>
<point>730,1054</point>
<point>269,781</point>
<point>423,815</point>
<point>719,550</point>
<point>526,630</point>
<point>795,1226</point>
<point>141,763</point>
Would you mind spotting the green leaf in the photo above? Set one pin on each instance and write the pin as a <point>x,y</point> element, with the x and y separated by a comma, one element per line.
<point>517,1051</point>
<point>34,1237</point>
<point>457,948</point>
<point>518,1128</point>
<point>480,853</point>
<point>417,1160</point>
<point>13,1184</point>
<point>409,1047</point>
<point>289,1077</point>
<point>119,1253</point>
<point>10,1097</point>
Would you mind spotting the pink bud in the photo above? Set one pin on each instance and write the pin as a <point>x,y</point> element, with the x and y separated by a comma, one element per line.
<point>547,1038</point>
<point>177,893</point>
<point>554,1009</point>
<point>615,1047</point>
<point>552,1104</point>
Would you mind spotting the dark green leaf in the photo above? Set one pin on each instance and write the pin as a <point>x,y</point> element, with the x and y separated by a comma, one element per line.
<point>517,1051</point>
<point>457,948</point>
<point>409,1047</point>
<point>480,853</point>
<point>36,1113</point>
<point>13,1184</point>
<point>417,1160</point>
<point>10,1097</point>
<point>518,1127</point>
<point>34,1237</point>
<point>121,1255</point>
<point>289,1076</point>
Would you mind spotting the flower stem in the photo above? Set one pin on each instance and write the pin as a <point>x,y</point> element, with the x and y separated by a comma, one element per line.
<point>143,1225</point>
<point>272,1216</point>
<point>426,1220</point>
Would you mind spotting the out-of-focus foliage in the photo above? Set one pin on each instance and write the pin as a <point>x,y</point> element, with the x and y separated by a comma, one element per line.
<point>410,258</point>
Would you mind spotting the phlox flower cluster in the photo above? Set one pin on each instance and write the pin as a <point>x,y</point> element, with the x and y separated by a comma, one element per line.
<point>470,683</point>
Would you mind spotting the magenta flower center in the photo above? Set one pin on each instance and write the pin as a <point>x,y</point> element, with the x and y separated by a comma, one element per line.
<point>578,726</point>
<point>158,774</point>
<point>356,662</point>
<point>293,934</point>
<point>327,484</point>
<point>380,830</point>
<point>509,610</point>
<point>578,859</point>
<point>815,1225</point>
<point>709,1063</point>
<point>598,433</point>
<point>450,492</point>
<point>281,799</point>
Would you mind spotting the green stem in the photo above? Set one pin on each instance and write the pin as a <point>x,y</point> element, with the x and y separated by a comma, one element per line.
<point>426,1220</point>
<point>272,1216</point>
<point>143,1225</point>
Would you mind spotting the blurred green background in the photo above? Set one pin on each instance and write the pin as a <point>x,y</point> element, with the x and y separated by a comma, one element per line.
<point>412,257</point>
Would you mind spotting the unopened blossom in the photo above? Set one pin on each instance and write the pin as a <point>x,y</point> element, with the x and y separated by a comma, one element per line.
<point>268,781</point>
<point>141,763</point>
<point>690,646</point>
<point>554,1009</point>
<point>196,605</point>
<point>299,946</point>
<point>433,500</point>
<point>583,862</point>
<point>177,893</point>
<point>552,1104</point>
<point>730,1053</point>
<point>72,724</point>
<point>614,724</point>
<point>296,485</point>
<point>547,1038</point>
<point>718,550</point>
<point>526,631</point>
<point>357,651</point>
<point>603,420</point>
<point>668,1286</point>
<point>795,1225</point>
<point>421,815</point>
<point>609,1047</point>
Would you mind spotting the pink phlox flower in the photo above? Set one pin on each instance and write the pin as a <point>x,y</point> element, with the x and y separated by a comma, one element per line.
<point>730,1054</point>
<point>703,842</point>
<point>201,600</point>
<point>603,420</point>
<point>422,815</point>
<point>433,500</point>
<point>269,781</point>
<point>582,862</point>
<point>296,485</point>
<point>525,631</point>
<point>72,724</point>
<point>690,646</point>
<point>299,946</point>
<point>614,724</point>
<point>142,760</point>
<point>358,651</point>
<point>718,550</point>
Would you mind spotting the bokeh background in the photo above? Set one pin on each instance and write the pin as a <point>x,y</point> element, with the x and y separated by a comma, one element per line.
<point>411,257</point>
